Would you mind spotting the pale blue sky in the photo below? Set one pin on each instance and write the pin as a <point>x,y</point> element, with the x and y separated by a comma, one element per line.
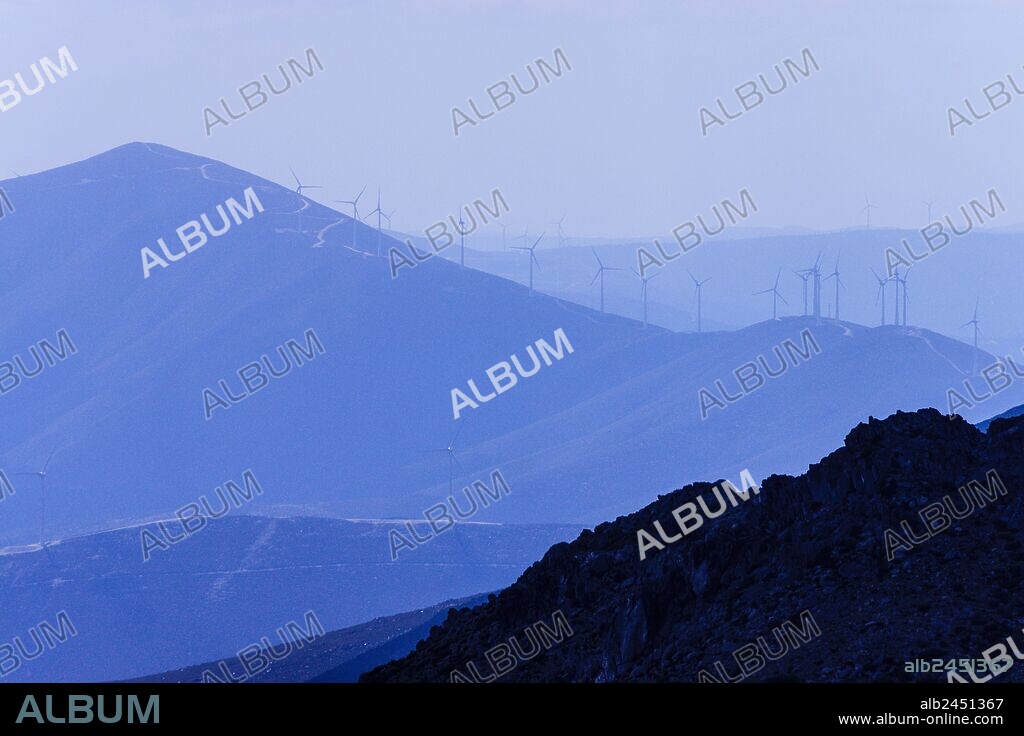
<point>614,145</point>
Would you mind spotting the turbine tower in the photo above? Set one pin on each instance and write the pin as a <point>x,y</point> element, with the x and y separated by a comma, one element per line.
<point>867,208</point>
<point>380,214</point>
<point>929,205</point>
<point>41,474</point>
<point>643,291</point>
<point>601,268</point>
<point>533,258</point>
<point>452,460</point>
<point>895,278</point>
<point>977,331</point>
<point>774,291</point>
<point>835,275</point>
<point>561,233</point>
<point>881,293</point>
<point>462,240</point>
<point>355,213</point>
<point>699,288</point>
<point>816,272</point>
<point>299,186</point>
<point>905,298</point>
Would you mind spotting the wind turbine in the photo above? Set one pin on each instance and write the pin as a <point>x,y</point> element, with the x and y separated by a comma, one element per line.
<point>533,258</point>
<point>804,275</point>
<point>867,208</point>
<point>881,292</point>
<point>699,288</point>
<point>504,227</point>
<point>299,186</point>
<point>601,268</point>
<point>814,271</point>
<point>929,205</point>
<point>561,233</point>
<point>905,299</point>
<point>817,287</point>
<point>462,237</point>
<point>525,236</point>
<point>452,460</point>
<point>643,291</point>
<point>380,213</point>
<point>977,331</point>
<point>895,278</point>
<point>355,212</point>
<point>774,291</point>
<point>835,275</point>
<point>41,474</point>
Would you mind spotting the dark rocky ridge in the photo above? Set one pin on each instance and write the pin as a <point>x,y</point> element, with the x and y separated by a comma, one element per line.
<point>813,542</point>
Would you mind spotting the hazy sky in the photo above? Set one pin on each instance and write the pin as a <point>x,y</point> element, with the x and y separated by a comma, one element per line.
<point>615,144</point>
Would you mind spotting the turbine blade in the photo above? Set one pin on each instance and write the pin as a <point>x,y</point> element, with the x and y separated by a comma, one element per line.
<point>47,463</point>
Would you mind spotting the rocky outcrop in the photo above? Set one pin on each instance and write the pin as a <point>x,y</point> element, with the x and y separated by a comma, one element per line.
<point>814,543</point>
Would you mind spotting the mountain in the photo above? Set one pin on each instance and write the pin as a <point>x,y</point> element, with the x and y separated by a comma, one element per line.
<point>125,412</point>
<point>337,656</point>
<point>815,543</point>
<point>350,431</point>
<point>113,368</point>
<point>240,579</point>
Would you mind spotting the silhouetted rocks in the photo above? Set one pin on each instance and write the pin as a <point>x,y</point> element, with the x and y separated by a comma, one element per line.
<point>810,543</point>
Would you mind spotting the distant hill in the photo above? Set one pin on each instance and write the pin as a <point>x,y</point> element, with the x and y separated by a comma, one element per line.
<point>240,579</point>
<point>340,656</point>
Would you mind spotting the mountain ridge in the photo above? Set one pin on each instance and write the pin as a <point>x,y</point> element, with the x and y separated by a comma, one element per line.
<point>814,543</point>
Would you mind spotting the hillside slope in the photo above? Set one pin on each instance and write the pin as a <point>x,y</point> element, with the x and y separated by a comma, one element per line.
<point>237,580</point>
